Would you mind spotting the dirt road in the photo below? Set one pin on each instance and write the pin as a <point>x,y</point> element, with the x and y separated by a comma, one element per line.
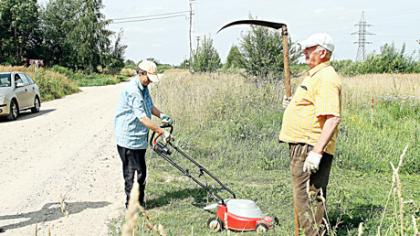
<point>65,152</point>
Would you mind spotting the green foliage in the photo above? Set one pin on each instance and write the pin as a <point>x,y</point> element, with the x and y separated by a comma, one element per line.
<point>389,60</point>
<point>54,85</point>
<point>91,79</point>
<point>184,64</point>
<point>115,61</point>
<point>205,57</point>
<point>235,137</point>
<point>234,58</point>
<point>381,132</point>
<point>19,31</point>
<point>262,52</point>
<point>94,79</point>
<point>76,37</point>
<point>130,64</point>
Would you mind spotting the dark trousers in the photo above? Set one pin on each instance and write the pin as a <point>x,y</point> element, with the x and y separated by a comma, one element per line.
<point>132,161</point>
<point>309,190</point>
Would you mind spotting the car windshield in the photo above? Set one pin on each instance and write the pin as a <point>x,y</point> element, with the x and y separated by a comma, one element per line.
<point>5,80</point>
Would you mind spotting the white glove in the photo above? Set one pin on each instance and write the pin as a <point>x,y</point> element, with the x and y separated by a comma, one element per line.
<point>312,162</point>
<point>166,119</point>
<point>286,101</point>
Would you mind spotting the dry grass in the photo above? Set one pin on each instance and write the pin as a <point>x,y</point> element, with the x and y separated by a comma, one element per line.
<point>130,226</point>
<point>364,88</point>
<point>190,97</point>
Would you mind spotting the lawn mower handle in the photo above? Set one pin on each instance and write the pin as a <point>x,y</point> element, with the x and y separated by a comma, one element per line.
<point>165,153</point>
<point>153,140</point>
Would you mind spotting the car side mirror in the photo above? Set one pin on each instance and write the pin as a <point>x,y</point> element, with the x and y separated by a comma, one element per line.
<point>19,84</point>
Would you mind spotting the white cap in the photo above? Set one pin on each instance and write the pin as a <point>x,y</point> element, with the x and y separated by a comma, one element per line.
<point>322,39</point>
<point>151,69</point>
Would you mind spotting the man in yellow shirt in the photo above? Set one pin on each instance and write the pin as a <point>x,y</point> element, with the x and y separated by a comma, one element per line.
<point>309,126</point>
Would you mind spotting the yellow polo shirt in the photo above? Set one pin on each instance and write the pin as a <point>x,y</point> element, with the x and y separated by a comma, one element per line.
<point>318,95</point>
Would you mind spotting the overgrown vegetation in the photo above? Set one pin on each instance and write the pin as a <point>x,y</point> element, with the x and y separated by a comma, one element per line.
<point>205,57</point>
<point>91,79</point>
<point>58,81</point>
<point>52,84</point>
<point>70,33</point>
<point>388,60</point>
<point>262,53</point>
<point>231,126</point>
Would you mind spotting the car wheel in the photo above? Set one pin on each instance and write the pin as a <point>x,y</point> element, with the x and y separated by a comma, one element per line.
<point>14,110</point>
<point>37,105</point>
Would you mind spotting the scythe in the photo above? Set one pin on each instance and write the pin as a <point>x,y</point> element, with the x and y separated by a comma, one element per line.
<point>284,35</point>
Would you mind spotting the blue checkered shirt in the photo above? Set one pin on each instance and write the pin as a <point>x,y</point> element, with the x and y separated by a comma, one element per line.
<point>135,103</point>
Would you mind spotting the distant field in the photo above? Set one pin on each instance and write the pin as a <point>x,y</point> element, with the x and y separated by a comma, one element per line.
<point>231,125</point>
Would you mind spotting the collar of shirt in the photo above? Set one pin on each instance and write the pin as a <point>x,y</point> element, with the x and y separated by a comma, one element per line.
<point>317,68</point>
<point>137,80</point>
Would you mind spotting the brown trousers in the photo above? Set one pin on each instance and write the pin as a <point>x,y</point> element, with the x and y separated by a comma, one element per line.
<point>309,190</point>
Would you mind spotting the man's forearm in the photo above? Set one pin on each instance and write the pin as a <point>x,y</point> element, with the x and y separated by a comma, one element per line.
<point>156,112</point>
<point>149,124</point>
<point>327,132</point>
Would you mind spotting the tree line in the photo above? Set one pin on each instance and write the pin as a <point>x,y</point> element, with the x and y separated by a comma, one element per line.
<point>70,33</point>
<point>260,54</point>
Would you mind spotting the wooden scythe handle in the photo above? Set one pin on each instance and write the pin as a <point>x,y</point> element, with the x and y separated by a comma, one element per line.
<point>285,40</point>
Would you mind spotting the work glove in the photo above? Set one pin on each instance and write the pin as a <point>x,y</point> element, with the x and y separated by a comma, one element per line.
<point>165,135</point>
<point>286,101</point>
<point>166,120</point>
<point>312,162</point>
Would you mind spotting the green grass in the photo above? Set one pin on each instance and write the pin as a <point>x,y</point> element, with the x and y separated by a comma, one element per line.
<point>93,79</point>
<point>231,127</point>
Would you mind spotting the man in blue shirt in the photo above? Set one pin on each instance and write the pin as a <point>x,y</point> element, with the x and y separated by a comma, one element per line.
<point>132,125</point>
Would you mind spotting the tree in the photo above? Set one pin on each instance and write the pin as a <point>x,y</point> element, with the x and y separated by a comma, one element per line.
<point>19,30</point>
<point>262,52</point>
<point>59,19</point>
<point>205,57</point>
<point>234,58</point>
<point>130,64</point>
<point>76,36</point>
<point>116,58</point>
<point>185,64</point>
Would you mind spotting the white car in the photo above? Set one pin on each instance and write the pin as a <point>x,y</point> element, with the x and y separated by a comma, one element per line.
<point>18,92</point>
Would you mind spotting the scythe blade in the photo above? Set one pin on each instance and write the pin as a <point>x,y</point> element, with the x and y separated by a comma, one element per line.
<point>270,24</point>
<point>284,36</point>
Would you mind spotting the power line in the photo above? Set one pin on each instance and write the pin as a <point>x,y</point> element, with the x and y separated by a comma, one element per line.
<point>148,16</point>
<point>190,34</point>
<point>361,51</point>
<point>149,19</point>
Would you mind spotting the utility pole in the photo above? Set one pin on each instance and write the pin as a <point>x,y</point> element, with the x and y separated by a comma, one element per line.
<point>191,22</point>
<point>361,51</point>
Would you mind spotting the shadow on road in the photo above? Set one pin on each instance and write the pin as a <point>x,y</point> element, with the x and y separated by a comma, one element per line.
<point>27,115</point>
<point>49,212</point>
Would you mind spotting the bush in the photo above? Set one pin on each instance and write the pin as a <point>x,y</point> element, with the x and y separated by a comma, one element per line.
<point>92,79</point>
<point>206,58</point>
<point>234,59</point>
<point>262,52</point>
<point>52,84</point>
<point>389,60</point>
<point>128,72</point>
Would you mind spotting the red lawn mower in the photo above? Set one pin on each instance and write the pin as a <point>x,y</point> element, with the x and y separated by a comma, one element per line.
<point>232,214</point>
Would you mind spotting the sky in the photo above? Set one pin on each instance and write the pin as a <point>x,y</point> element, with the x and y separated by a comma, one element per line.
<point>167,40</point>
